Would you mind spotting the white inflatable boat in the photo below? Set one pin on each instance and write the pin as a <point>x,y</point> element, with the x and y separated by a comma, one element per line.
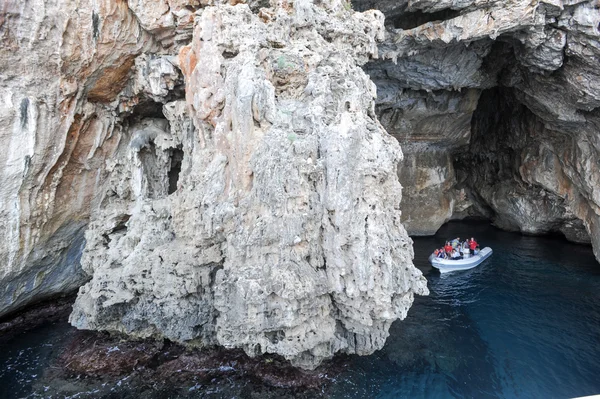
<point>449,265</point>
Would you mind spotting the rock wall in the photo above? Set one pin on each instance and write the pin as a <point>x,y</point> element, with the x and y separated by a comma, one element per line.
<point>431,127</point>
<point>522,154</point>
<point>60,62</point>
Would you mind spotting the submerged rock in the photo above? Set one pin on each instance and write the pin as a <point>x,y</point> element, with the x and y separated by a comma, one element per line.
<point>96,362</point>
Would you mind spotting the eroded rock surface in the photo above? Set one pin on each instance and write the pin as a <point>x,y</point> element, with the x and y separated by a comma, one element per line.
<point>60,61</point>
<point>263,211</point>
<point>442,56</point>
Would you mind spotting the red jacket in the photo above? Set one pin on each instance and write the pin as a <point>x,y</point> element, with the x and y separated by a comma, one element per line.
<point>448,248</point>
<point>473,244</point>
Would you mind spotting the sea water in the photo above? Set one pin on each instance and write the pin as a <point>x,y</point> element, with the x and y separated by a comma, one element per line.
<point>523,324</point>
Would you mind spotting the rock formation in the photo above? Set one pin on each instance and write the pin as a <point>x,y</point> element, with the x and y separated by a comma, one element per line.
<point>495,104</point>
<point>239,188</point>
<point>60,62</point>
<point>225,167</point>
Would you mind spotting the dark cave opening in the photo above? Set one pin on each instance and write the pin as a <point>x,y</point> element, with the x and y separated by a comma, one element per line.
<point>148,109</point>
<point>95,25</point>
<point>411,20</point>
<point>145,109</point>
<point>24,108</point>
<point>175,169</point>
<point>510,169</point>
<point>490,155</point>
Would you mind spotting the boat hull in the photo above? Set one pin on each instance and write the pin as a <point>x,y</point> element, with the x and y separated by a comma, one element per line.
<point>448,265</point>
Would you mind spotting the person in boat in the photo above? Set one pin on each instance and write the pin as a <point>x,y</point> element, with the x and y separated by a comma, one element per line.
<point>448,248</point>
<point>455,254</point>
<point>455,243</point>
<point>442,253</point>
<point>473,245</point>
<point>466,249</point>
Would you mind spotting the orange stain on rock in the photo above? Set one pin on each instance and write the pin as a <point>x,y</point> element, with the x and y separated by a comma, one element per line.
<point>187,60</point>
<point>111,82</point>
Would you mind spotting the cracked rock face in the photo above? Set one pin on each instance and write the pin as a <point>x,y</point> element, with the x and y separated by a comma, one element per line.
<point>60,61</point>
<point>261,212</point>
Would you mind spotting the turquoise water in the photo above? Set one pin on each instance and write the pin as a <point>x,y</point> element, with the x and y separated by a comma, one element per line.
<point>524,324</point>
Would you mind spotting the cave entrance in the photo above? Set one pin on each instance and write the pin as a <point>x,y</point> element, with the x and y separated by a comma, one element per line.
<point>491,126</point>
<point>161,167</point>
<point>411,20</point>
<point>175,168</point>
<point>513,170</point>
<point>148,109</point>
